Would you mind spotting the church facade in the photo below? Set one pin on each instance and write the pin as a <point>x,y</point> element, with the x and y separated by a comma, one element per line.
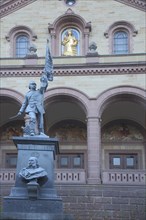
<point>95,105</point>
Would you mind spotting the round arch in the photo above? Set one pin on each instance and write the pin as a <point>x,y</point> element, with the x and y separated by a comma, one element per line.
<point>18,97</point>
<point>10,104</point>
<point>121,24</point>
<point>75,96</point>
<point>103,100</point>
<point>21,28</point>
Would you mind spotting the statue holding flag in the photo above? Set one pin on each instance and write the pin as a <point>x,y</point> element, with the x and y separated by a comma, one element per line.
<point>33,104</point>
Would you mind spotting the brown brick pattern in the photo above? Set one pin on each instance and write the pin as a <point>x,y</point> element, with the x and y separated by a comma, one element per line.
<point>104,202</point>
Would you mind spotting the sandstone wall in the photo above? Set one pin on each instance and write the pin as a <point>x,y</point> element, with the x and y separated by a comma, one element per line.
<point>101,13</point>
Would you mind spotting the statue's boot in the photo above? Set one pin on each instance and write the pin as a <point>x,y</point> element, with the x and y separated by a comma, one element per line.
<point>41,132</point>
<point>32,127</point>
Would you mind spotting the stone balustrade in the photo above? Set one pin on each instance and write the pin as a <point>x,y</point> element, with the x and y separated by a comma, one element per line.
<point>70,176</point>
<point>61,176</point>
<point>7,176</point>
<point>124,177</point>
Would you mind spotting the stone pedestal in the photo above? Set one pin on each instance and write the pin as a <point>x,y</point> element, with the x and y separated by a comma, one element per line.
<point>34,200</point>
<point>24,208</point>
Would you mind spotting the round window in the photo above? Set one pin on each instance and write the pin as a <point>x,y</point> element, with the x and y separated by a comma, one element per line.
<point>70,2</point>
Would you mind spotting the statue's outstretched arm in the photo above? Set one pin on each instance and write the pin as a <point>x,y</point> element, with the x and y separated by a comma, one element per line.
<point>48,69</point>
<point>43,83</point>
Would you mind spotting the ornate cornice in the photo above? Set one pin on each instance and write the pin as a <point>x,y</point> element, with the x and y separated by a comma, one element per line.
<point>74,71</point>
<point>9,6</point>
<point>139,4</point>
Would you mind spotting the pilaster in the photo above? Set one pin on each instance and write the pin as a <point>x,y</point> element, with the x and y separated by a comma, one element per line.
<point>94,150</point>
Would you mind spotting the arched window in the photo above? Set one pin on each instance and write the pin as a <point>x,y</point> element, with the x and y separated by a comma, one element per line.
<point>120,36</point>
<point>120,42</point>
<point>20,37</point>
<point>22,43</point>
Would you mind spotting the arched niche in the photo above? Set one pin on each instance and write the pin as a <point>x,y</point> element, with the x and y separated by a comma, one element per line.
<point>67,21</point>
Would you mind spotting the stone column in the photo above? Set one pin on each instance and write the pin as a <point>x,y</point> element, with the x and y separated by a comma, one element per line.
<point>53,45</point>
<point>86,36</point>
<point>94,150</point>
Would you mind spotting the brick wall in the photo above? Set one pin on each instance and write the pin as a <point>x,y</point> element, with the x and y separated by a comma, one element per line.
<point>102,202</point>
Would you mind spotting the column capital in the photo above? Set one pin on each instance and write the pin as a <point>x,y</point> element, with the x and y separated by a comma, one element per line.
<point>94,118</point>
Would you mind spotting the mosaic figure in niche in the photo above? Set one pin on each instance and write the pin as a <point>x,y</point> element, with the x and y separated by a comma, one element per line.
<point>70,43</point>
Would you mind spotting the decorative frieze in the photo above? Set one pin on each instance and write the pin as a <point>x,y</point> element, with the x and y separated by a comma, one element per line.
<point>8,7</point>
<point>98,70</point>
<point>139,4</point>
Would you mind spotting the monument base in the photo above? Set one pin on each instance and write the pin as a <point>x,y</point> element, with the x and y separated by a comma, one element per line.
<point>32,216</point>
<point>21,192</point>
<point>40,209</point>
<point>35,199</point>
<point>35,216</point>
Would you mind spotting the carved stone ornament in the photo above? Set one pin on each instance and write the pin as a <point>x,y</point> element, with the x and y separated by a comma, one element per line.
<point>92,49</point>
<point>32,51</point>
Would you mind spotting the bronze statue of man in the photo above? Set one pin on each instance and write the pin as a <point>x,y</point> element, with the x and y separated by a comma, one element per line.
<point>33,104</point>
